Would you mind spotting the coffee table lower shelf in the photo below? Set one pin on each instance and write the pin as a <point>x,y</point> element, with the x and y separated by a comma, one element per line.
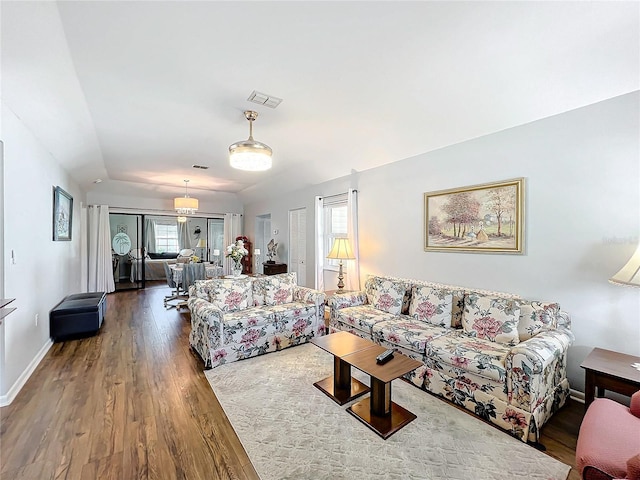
<point>383,425</point>
<point>342,395</point>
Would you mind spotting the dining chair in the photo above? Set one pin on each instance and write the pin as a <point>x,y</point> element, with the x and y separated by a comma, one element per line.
<point>174,294</point>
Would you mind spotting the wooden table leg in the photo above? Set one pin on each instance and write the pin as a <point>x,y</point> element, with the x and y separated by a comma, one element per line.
<point>589,388</point>
<point>380,398</point>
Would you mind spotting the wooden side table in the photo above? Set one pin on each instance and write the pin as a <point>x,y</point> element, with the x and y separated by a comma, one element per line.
<point>274,268</point>
<point>608,370</point>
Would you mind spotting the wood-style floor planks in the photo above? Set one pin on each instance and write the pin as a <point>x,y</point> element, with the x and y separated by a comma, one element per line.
<point>133,403</point>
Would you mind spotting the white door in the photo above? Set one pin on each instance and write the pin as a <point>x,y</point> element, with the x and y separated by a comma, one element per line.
<point>298,244</point>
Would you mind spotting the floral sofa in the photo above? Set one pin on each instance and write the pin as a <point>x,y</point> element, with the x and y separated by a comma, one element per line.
<point>233,319</point>
<point>499,356</point>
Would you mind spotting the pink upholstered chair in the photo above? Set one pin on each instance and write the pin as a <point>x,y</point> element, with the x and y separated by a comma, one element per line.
<point>609,441</point>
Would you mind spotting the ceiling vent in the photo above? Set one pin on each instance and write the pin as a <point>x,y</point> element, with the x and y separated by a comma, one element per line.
<point>264,99</point>
<point>201,167</point>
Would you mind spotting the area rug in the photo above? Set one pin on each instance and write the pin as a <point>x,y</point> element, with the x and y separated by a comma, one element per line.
<point>291,430</point>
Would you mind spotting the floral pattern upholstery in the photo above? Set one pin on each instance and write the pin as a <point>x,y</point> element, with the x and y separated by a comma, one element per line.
<point>385,295</point>
<point>535,317</point>
<point>516,385</point>
<point>494,319</point>
<point>221,333</point>
<point>431,305</point>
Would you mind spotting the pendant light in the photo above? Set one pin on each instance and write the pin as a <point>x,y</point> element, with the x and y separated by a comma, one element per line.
<point>249,154</point>
<point>185,205</point>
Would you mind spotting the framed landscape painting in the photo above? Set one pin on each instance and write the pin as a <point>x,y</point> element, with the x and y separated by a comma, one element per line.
<point>62,215</point>
<point>484,218</point>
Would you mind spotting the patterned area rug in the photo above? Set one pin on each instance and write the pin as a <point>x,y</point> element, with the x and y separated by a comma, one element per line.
<point>291,430</point>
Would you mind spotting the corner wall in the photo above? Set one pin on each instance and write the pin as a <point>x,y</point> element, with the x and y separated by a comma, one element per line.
<point>582,218</point>
<point>44,271</point>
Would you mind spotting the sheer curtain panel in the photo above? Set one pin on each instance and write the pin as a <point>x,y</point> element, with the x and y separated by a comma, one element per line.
<point>150,235</point>
<point>99,240</point>
<point>232,229</point>
<point>353,266</point>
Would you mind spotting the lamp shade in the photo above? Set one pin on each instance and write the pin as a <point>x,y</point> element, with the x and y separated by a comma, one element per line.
<point>202,243</point>
<point>629,274</point>
<point>185,203</point>
<point>341,250</point>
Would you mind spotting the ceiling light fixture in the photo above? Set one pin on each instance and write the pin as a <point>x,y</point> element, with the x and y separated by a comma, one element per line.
<point>185,205</point>
<point>182,219</point>
<point>249,154</point>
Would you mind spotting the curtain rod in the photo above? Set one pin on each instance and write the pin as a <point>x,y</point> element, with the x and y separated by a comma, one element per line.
<point>336,195</point>
<point>151,211</point>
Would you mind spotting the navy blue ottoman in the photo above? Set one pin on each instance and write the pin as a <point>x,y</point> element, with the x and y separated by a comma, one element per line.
<point>78,315</point>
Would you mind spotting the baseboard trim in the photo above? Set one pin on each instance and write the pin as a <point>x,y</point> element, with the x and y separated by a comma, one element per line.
<point>22,379</point>
<point>576,395</point>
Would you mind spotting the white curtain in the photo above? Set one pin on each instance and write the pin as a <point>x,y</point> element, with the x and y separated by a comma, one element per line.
<point>184,239</point>
<point>353,266</point>
<point>84,253</point>
<point>150,235</point>
<point>99,243</point>
<point>232,229</point>
<point>320,253</point>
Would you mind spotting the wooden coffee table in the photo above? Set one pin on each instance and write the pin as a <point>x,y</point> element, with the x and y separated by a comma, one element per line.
<point>341,387</point>
<point>608,370</point>
<point>377,411</point>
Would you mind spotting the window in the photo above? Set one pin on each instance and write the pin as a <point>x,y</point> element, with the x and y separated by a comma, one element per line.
<point>166,238</point>
<point>335,226</point>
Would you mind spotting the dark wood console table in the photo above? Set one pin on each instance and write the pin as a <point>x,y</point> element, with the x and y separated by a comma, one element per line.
<point>274,268</point>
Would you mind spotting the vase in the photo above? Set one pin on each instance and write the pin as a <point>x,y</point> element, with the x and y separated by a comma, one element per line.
<point>236,269</point>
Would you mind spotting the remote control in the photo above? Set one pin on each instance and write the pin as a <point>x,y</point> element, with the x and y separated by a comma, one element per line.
<point>384,357</point>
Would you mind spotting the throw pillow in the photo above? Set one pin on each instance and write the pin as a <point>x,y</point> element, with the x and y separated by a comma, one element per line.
<point>230,294</point>
<point>431,305</point>
<point>535,317</point>
<point>386,295</point>
<point>490,318</point>
<point>278,289</point>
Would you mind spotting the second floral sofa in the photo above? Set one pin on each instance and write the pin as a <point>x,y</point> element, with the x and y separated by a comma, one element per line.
<point>237,318</point>
<point>499,356</point>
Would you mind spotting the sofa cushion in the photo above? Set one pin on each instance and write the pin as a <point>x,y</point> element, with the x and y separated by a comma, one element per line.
<point>289,311</point>
<point>535,317</point>
<point>406,332</point>
<point>491,318</point>
<point>431,305</point>
<point>249,317</point>
<point>278,289</point>
<point>385,294</point>
<point>362,317</point>
<point>230,294</point>
<point>482,357</point>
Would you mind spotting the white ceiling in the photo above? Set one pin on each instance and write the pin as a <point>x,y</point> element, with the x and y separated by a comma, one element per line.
<point>140,91</point>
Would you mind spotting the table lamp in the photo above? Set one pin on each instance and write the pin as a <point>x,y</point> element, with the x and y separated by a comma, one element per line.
<point>341,250</point>
<point>629,275</point>
<point>216,255</point>
<point>256,253</point>
<point>202,245</point>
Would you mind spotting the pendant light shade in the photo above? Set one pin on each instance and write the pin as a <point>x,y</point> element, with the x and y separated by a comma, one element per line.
<point>249,154</point>
<point>185,205</point>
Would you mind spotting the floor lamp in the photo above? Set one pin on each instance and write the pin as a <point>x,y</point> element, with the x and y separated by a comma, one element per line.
<point>341,250</point>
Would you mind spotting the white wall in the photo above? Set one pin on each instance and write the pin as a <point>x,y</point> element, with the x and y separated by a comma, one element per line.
<point>136,196</point>
<point>582,218</point>
<point>45,271</point>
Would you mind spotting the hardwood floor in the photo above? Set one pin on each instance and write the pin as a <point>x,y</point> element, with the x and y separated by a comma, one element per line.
<point>133,403</point>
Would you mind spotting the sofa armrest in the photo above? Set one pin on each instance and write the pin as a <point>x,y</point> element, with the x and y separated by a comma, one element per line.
<point>348,299</point>
<point>564,325</point>
<point>536,367</point>
<point>308,295</point>
<point>205,312</point>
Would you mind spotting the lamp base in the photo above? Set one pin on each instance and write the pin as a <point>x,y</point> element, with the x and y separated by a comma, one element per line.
<point>340,277</point>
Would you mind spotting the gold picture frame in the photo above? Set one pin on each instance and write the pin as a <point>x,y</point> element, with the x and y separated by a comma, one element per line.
<point>487,218</point>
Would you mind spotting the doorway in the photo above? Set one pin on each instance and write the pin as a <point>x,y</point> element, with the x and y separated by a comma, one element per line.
<point>127,257</point>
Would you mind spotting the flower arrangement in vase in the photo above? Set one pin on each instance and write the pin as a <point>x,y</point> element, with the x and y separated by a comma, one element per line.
<point>235,252</point>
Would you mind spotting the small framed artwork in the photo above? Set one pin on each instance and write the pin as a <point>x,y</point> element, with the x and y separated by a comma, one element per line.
<point>62,215</point>
<point>486,218</point>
